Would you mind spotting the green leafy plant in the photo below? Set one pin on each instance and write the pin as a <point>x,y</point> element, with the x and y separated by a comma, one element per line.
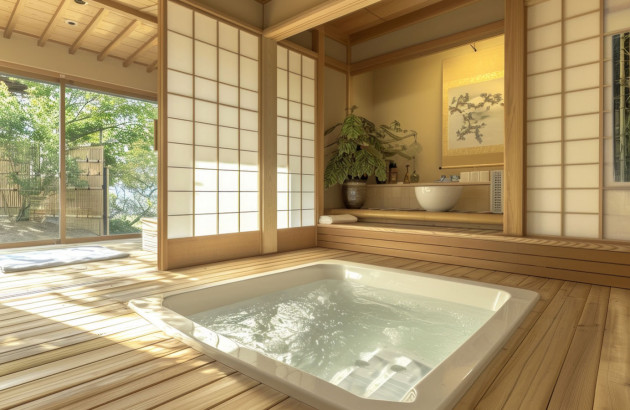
<point>362,148</point>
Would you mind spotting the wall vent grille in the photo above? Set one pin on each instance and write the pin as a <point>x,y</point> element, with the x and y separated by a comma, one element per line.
<point>496,192</point>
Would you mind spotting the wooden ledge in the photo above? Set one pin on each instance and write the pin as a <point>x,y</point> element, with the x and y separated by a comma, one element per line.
<point>423,216</point>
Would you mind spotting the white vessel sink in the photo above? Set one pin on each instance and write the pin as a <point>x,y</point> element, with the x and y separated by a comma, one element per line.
<point>438,198</point>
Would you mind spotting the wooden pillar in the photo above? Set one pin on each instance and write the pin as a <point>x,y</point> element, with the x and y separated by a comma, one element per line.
<point>162,235</point>
<point>269,142</point>
<point>515,79</point>
<point>318,43</point>
<point>62,161</point>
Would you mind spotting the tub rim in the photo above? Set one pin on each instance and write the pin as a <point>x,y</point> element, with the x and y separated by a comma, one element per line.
<point>489,338</point>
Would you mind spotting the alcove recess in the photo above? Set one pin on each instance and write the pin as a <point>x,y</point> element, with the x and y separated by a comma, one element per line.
<point>397,204</point>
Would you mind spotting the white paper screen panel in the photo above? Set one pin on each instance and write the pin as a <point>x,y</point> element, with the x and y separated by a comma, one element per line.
<point>581,225</point>
<point>617,15</point>
<point>617,214</point>
<point>296,139</point>
<point>542,223</point>
<point>563,118</point>
<point>212,125</point>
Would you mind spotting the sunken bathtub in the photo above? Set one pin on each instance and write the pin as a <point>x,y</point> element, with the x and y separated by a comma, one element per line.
<point>340,335</point>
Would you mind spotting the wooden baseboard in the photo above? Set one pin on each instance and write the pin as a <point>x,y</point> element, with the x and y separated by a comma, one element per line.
<point>200,250</point>
<point>292,239</point>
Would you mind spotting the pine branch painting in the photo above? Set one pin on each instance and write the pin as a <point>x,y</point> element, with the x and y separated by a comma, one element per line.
<point>475,114</point>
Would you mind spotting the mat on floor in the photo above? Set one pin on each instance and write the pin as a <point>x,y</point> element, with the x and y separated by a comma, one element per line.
<point>22,261</point>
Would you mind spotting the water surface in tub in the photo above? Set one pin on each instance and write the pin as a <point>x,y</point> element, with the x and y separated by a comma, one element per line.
<point>373,342</point>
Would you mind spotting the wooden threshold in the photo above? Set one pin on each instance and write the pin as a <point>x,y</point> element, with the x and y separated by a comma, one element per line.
<point>69,341</point>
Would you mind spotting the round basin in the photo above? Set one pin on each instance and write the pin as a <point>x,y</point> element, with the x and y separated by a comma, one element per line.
<point>438,198</point>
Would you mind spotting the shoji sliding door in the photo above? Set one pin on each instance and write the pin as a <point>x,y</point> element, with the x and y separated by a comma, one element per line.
<point>296,149</point>
<point>577,129</point>
<point>209,139</point>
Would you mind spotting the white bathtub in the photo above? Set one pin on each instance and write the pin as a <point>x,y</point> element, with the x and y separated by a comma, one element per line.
<point>441,387</point>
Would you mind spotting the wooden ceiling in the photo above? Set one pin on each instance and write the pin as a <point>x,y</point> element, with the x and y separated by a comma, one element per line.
<point>122,29</point>
<point>127,29</point>
<point>374,15</point>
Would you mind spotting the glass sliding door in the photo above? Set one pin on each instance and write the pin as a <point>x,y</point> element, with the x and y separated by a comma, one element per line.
<point>29,160</point>
<point>111,168</point>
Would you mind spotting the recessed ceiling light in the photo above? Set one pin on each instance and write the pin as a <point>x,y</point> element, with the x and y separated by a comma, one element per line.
<point>71,22</point>
<point>81,2</point>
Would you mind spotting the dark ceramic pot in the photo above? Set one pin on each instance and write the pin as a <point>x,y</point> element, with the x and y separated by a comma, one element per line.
<point>354,192</point>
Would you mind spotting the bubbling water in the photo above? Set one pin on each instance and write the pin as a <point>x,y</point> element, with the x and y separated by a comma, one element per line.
<point>373,342</point>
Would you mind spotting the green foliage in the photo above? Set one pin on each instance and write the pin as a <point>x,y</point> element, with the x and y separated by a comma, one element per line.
<point>29,123</point>
<point>29,141</point>
<point>122,226</point>
<point>362,148</point>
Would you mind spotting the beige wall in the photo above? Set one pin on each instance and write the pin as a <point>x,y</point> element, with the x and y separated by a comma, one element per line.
<point>411,92</point>
<point>362,93</point>
<point>23,50</point>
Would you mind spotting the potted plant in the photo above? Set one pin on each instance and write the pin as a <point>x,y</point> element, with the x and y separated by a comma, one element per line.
<point>362,149</point>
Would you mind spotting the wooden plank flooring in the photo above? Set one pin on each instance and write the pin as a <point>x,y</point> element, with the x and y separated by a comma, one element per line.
<point>69,341</point>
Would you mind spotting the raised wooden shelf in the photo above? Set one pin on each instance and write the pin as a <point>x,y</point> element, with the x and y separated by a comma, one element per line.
<point>436,183</point>
<point>422,216</point>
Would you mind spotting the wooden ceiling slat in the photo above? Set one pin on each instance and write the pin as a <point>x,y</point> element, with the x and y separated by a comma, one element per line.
<point>120,7</point>
<point>88,30</point>
<point>94,44</point>
<point>351,23</point>
<point>30,27</point>
<point>112,25</point>
<point>139,51</point>
<point>122,51</point>
<point>148,57</point>
<point>389,9</point>
<point>138,4</point>
<point>19,5</point>
<point>48,31</point>
<point>314,16</point>
<point>408,19</point>
<point>118,39</point>
<point>153,9</point>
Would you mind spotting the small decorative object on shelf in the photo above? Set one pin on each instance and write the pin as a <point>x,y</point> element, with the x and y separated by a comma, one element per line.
<point>393,173</point>
<point>406,179</point>
<point>415,178</point>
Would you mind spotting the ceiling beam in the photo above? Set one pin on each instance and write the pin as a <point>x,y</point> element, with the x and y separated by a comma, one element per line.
<point>51,24</point>
<point>408,19</point>
<point>17,9</point>
<point>429,47</point>
<point>119,38</point>
<point>314,17</point>
<point>152,66</point>
<point>151,42</point>
<point>102,13</point>
<point>122,8</point>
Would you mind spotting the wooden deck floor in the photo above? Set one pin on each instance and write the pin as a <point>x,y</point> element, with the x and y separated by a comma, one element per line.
<point>69,341</point>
